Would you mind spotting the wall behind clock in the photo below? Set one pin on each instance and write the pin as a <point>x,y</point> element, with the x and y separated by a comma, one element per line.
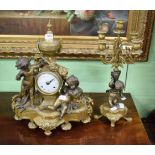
<point>94,77</point>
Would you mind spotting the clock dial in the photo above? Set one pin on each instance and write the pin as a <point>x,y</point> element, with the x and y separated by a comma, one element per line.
<point>48,83</point>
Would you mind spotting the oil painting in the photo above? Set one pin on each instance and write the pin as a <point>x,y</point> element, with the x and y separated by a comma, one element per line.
<point>88,22</point>
<point>65,22</point>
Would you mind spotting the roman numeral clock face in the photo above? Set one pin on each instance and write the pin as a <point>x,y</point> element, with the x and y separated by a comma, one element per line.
<point>48,83</point>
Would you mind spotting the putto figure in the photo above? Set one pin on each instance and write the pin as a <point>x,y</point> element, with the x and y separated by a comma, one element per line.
<point>26,72</point>
<point>116,84</point>
<point>115,109</point>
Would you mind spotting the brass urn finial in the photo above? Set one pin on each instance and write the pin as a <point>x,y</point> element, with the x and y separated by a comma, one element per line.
<point>49,26</point>
<point>49,45</point>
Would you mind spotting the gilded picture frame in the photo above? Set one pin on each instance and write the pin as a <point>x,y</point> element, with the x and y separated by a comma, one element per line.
<point>80,47</point>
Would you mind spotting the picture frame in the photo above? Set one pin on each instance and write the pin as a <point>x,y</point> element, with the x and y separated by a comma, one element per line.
<point>81,46</point>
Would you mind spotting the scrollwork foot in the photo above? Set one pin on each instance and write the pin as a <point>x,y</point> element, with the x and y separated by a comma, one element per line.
<point>16,118</point>
<point>87,120</point>
<point>32,125</point>
<point>66,126</point>
<point>112,123</point>
<point>47,132</point>
<point>97,116</point>
<point>129,119</point>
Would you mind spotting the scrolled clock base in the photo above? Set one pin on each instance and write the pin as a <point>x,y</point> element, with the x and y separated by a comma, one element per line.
<point>48,119</point>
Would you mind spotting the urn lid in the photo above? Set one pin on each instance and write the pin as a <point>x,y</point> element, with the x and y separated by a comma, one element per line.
<point>49,45</point>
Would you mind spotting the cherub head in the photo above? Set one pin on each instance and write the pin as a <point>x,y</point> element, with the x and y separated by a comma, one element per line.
<point>23,63</point>
<point>72,82</point>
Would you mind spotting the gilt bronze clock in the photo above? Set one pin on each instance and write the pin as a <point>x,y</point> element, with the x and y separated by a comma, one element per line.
<point>49,97</point>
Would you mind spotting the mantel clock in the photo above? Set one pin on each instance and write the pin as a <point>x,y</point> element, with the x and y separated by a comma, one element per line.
<point>48,97</point>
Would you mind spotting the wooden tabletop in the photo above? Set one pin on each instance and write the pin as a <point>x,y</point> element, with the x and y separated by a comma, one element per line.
<point>96,132</point>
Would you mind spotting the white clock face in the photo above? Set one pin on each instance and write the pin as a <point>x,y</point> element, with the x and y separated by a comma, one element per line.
<point>48,83</point>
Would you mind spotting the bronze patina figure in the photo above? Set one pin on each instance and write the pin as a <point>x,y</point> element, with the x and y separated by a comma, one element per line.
<point>27,86</point>
<point>116,84</point>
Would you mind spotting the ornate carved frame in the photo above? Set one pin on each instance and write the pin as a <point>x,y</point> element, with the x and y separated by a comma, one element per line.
<point>79,47</point>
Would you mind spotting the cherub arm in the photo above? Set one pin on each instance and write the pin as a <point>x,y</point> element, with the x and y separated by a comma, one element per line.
<point>19,75</point>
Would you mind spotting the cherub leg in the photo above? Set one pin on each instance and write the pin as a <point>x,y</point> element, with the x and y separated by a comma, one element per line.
<point>122,96</point>
<point>110,101</point>
<point>64,109</point>
<point>57,103</point>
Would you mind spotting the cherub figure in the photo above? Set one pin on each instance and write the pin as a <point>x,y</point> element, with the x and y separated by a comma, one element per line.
<point>114,98</point>
<point>27,72</point>
<point>116,84</point>
<point>72,88</point>
<point>23,64</point>
<point>70,92</point>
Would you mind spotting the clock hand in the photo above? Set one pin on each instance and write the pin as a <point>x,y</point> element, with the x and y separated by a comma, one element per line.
<point>48,82</point>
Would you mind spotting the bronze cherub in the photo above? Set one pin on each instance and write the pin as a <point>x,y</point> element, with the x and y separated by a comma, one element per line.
<point>115,110</point>
<point>116,84</point>
<point>26,73</point>
<point>69,94</point>
<point>23,64</point>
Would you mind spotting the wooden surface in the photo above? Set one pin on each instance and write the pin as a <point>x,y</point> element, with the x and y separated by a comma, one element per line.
<point>149,124</point>
<point>150,128</point>
<point>96,132</point>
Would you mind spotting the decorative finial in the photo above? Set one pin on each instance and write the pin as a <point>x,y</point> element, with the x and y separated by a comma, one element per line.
<point>49,33</point>
<point>49,25</point>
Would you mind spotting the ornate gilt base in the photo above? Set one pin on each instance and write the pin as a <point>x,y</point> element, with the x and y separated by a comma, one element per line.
<point>48,119</point>
<point>113,115</point>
